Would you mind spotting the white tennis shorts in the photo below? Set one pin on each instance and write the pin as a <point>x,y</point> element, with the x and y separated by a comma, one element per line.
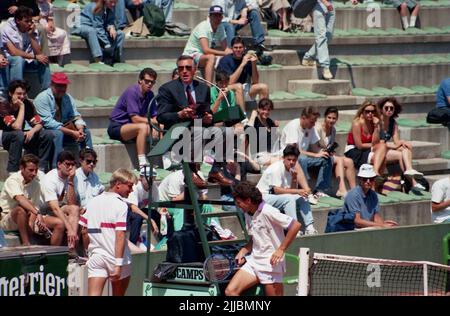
<point>264,277</point>
<point>100,266</point>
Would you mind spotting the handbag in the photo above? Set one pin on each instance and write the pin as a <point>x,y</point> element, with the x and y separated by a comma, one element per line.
<point>340,220</point>
<point>301,8</point>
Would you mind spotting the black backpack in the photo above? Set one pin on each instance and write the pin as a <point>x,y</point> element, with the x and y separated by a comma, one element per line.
<point>154,19</point>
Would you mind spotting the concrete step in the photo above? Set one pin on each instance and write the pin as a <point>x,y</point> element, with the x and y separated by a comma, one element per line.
<point>433,178</point>
<point>432,166</point>
<point>327,87</point>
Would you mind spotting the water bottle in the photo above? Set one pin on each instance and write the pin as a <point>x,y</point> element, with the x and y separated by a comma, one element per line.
<point>2,239</point>
<point>163,223</point>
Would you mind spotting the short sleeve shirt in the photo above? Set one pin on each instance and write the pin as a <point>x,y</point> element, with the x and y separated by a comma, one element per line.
<point>229,64</point>
<point>440,192</point>
<point>6,110</point>
<point>105,214</point>
<point>11,34</point>
<point>357,202</point>
<point>139,196</point>
<point>54,188</point>
<point>266,226</point>
<point>15,186</point>
<point>87,187</point>
<point>203,30</point>
<point>293,133</point>
<point>443,93</point>
<point>275,175</point>
<point>223,103</point>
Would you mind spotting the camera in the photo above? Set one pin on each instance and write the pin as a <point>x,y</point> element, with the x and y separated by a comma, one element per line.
<point>332,148</point>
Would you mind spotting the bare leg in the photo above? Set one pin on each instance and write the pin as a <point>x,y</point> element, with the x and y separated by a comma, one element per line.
<point>350,173</point>
<point>56,225</point>
<point>239,94</point>
<point>241,281</point>
<point>260,89</point>
<point>207,61</point>
<point>339,171</point>
<point>275,289</point>
<point>95,286</point>
<point>379,157</point>
<point>140,131</point>
<point>20,217</point>
<point>120,287</point>
<point>395,156</point>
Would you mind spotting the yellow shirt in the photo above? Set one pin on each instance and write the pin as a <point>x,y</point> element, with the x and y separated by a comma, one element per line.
<point>14,186</point>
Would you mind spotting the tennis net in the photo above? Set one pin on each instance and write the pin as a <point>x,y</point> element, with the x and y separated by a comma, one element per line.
<point>327,274</point>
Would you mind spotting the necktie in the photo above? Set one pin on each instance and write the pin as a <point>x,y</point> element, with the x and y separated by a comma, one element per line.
<point>191,102</point>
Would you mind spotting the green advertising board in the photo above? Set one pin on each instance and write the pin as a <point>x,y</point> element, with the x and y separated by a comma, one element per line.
<point>33,271</point>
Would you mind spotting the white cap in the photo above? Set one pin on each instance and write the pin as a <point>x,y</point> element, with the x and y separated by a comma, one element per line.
<point>366,171</point>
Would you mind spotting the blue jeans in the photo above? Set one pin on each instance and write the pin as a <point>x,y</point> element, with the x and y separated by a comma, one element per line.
<point>121,16</point>
<point>323,33</point>
<point>61,141</point>
<point>3,82</point>
<point>291,205</point>
<point>90,36</point>
<point>165,5</point>
<point>325,172</point>
<point>17,66</point>
<point>255,25</point>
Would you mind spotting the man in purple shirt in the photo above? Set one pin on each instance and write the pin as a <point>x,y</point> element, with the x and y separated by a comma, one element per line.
<point>128,119</point>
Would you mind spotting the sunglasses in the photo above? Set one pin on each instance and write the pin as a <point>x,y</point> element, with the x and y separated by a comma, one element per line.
<point>181,68</point>
<point>369,111</point>
<point>368,179</point>
<point>90,161</point>
<point>149,81</point>
<point>388,108</point>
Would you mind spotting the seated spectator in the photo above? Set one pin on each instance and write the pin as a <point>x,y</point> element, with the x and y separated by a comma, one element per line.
<point>98,28</point>
<point>135,7</point>
<point>58,40</point>
<point>403,6</point>
<point>3,72</point>
<point>397,149</point>
<point>264,152</point>
<point>23,49</point>
<point>60,196</point>
<point>138,202</point>
<point>239,13</point>
<point>175,74</point>
<point>279,187</point>
<point>363,141</point>
<point>363,201</point>
<point>199,45</point>
<point>218,102</point>
<point>19,203</point>
<point>280,8</point>
<point>344,168</point>
<point>60,116</point>
<point>440,201</point>
<point>87,184</point>
<point>243,72</point>
<point>441,114</point>
<point>302,132</point>
<point>22,129</point>
<point>128,119</point>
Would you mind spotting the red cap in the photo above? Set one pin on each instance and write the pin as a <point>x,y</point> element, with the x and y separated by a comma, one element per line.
<point>60,78</point>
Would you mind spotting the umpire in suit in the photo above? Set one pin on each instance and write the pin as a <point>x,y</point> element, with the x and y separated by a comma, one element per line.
<point>185,99</point>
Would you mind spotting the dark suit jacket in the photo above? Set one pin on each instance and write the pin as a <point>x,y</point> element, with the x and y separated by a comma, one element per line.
<point>172,98</point>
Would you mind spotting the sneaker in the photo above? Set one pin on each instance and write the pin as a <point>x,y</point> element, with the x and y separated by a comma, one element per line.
<point>327,75</point>
<point>320,194</point>
<point>308,62</point>
<point>300,234</point>
<point>418,187</point>
<point>310,230</point>
<point>312,199</point>
<point>413,173</point>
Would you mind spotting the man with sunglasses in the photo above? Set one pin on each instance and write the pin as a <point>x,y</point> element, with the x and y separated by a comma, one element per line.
<point>86,181</point>
<point>363,201</point>
<point>128,120</point>
<point>185,100</point>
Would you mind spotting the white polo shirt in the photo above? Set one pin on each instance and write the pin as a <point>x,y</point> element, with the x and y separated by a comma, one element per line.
<point>106,214</point>
<point>293,133</point>
<point>267,227</point>
<point>139,196</point>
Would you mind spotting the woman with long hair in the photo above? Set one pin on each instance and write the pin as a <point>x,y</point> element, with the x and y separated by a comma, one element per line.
<point>344,168</point>
<point>363,141</point>
<point>397,149</point>
<point>99,30</point>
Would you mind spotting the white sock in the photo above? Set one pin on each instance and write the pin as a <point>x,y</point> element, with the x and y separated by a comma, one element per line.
<point>142,160</point>
<point>412,23</point>
<point>405,22</point>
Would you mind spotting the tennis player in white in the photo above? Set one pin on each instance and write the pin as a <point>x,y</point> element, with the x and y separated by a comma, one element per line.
<point>104,227</point>
<point>264,253</point>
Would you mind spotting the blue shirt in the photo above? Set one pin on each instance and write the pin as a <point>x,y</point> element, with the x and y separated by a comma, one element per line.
<point>99,21</point>
<point>87,187</point>
<point>45,105</point>
<point>367,205</point>
<point>131,103</point>
<point>229,64</point>
<point>443,93</point>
